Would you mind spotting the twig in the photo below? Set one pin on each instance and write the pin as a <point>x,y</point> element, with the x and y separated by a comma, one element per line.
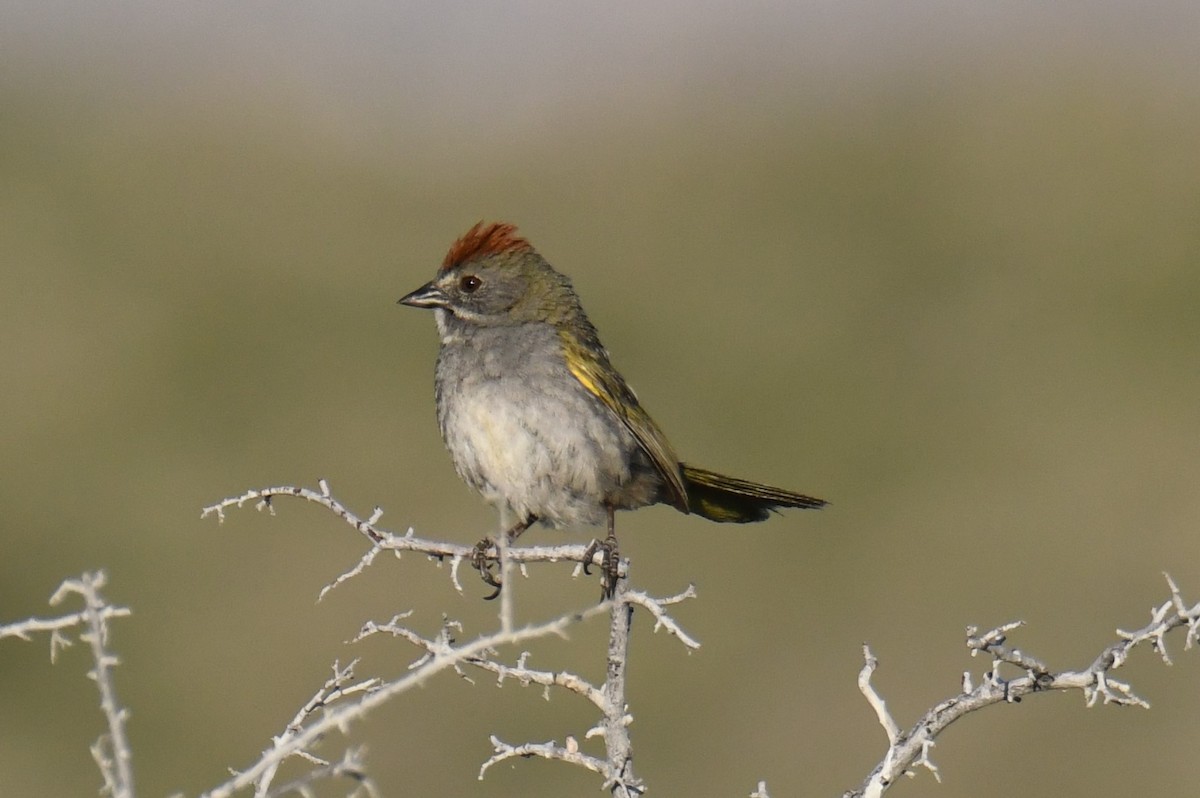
<point>911,749</point>
<point>551,750</point>
<point>873,698</point>
<point>111,751</point>
<point>383,540</point>
<point>615,725</point>
<point>350,766</point>
<point>341,716</point>
<point>336,687</point>
<point>24,630</point>
<point>440,652</point>
<point>662,620</point>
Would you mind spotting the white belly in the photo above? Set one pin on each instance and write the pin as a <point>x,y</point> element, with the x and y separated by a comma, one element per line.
<point>555,456</point>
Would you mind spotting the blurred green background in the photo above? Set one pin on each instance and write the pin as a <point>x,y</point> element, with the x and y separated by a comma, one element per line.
<point>937,263</point>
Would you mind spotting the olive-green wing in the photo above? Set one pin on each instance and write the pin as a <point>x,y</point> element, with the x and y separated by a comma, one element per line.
<point>590,366</point>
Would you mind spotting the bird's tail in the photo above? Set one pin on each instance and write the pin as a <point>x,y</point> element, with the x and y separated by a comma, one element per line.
<point>731,500</point>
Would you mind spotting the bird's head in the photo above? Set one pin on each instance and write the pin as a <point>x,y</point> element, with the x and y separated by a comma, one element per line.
<point>493,277</point>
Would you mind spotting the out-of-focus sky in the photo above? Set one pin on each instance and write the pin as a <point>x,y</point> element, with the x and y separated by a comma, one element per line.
<point>936,262</point>
<point>429,66</point>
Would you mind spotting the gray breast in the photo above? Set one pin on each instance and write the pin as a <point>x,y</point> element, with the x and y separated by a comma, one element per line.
<point>523,432</point>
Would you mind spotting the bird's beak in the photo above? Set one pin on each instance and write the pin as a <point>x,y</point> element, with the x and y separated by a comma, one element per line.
<point>427,296</point>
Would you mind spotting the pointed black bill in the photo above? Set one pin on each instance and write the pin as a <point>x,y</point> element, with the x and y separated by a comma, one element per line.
<point>427,296</point>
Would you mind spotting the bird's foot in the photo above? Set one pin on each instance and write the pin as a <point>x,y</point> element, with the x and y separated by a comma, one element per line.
<point>483,561</point>
<point>610,564</point>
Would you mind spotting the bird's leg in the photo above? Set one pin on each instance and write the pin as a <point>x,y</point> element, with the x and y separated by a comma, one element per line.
<point>612,560</point>
<point>483,562</point>
<point>610,564</point>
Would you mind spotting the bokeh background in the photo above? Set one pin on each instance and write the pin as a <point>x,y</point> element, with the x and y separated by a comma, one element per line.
<point>937,262</point>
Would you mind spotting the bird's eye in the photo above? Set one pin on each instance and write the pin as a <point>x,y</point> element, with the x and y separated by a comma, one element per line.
<point>469,283</point>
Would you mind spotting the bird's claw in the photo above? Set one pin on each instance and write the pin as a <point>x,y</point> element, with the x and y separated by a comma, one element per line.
<point>610,564</point>
<point>484,561</point>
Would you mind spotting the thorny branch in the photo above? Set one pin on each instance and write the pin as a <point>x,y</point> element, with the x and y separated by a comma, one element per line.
<point>338,686</point>
<point>442,652</point>
<point>339,717</point>
<point>617,766</point>
<point>909,750</point>
<point>383,540</point>
<point>342,700</point>
<point>112,752</point>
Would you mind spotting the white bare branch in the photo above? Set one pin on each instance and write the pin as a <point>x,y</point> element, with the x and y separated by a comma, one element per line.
<point>355,708</point>
<point>564,753</point>
<point>911,749</point>
<point>383,540</point>
<point>111,751</point>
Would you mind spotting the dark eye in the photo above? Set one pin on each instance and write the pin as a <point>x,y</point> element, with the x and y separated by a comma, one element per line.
<point>469,283</point>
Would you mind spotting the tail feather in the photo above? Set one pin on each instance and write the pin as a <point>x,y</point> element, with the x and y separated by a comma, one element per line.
<point>731,500</point>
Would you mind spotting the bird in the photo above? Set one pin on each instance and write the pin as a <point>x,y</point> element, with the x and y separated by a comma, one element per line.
<point>536,418</point>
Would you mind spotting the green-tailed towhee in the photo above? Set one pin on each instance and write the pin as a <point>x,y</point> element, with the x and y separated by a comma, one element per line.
<point>535,416</point>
